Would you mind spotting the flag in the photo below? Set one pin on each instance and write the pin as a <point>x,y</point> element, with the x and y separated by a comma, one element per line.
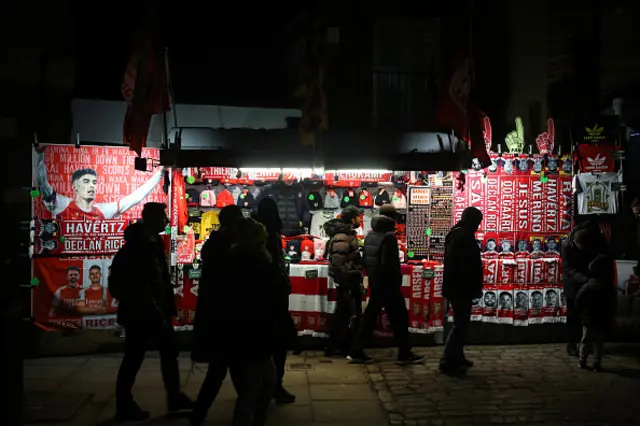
<point>313,97</point>
<point>458,110</point>
<point>145,85</point>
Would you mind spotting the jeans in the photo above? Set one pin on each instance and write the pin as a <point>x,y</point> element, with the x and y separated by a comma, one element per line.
<point>254,380</point>
<point>136,342</point>
<point>592,339</point>
<point>392,300</point>
<point>348,305</point>
<point>453,354</point>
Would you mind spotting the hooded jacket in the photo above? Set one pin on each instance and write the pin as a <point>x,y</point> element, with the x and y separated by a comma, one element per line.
<point>595,302</point>
<point>142,274</point>
<point>292,206</point>
<point>380,254</point>
<point>463,272</point>
<point>343,252</point>
<point>575,262</point>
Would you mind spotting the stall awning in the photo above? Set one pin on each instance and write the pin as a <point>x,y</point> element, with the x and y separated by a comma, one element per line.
<point>246,148</point>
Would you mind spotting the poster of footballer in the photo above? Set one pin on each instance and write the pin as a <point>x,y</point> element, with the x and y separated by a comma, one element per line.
<point>73,293</point>
<point>87,196</point>
<point>83,201</point>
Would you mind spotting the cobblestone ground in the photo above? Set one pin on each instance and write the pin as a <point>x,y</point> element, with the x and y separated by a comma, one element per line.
<point>536,384</point>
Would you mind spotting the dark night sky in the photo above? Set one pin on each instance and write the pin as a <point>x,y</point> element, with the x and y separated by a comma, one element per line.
<point>218,53</point>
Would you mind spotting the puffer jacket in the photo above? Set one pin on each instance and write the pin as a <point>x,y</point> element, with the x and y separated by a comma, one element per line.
<point>143,271</point>
<point>595,302</point>
<point>380,255</point>
<point>575,262</point>
<point>343,252</point>
<point>292,207</point>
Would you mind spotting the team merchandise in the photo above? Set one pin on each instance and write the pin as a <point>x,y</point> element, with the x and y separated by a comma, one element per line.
<point>529,203</point>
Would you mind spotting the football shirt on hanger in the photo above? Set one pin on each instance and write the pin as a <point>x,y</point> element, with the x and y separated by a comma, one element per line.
<point>595,193</point>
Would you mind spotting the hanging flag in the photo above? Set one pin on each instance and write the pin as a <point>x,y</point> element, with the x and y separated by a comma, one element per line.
<point>145,85</point>
<point>314,101</point>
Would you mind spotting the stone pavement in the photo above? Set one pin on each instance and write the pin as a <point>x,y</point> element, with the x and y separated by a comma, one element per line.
<point>329,392</point>
<point>536,384</point>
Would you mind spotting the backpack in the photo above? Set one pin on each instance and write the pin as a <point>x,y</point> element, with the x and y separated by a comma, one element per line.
<point>118,273</point>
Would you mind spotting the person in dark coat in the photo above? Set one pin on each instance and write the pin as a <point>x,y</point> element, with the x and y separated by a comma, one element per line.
<point>595,304</point>
<point>213,260</point>
<point>141,283</point>
<point>635,209</point>
<point>236,304</point>
<point>345,267</point>
<point>575,272</point>
<point>462,282</point>
<point>285,338</point>
<point>381,260</point>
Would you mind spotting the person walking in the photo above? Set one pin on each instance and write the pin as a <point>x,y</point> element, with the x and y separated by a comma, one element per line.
<point>575,273</point>
<point>141,283</point>
<point>285,330</point>
<point>345,267</point>
<point>248,356</point>
<point>462,282</point>
<point>595,303</point>
<point>381,260</point>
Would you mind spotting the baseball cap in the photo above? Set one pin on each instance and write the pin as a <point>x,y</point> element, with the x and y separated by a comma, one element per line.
<point>350,212</point>
<point>389,211</point>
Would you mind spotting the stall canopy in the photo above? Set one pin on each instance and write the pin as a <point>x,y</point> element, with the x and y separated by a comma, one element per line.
<point>247,148</point>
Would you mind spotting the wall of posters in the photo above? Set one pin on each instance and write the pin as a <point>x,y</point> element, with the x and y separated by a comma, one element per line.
<point>84,198</point>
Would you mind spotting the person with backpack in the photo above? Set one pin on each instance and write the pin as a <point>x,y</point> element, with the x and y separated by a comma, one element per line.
<point>345,267</point>
<point>141,283</point>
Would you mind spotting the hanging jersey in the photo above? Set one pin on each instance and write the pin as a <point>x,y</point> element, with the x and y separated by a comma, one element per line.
<point>208,198</point>
<point>595,193</point>
<point>399,201</point>
<point>318,220</point>
<point>225,198</point>
<point>595,158</point>
<point>331,201</point>
<point>365,199</point>
<point>208,223</point>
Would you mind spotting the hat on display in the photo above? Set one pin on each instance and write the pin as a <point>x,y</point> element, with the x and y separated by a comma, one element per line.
<point>382,197</point>
<point>225,198</point>
<point>306,249</point>
<point>208,198</point>
<point>398,200</point>
<point>331,199</point>
<point>293,248</point>
<point>315,200</point>
<point>193,196</point>
<point>245,200</point>
<point>365,199</point>
<point>349,198</point>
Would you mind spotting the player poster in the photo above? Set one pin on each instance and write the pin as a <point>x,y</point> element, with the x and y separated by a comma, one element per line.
<point>83,200</point>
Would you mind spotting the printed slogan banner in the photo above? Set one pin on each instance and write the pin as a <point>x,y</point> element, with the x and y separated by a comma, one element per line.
<point>92,194</point>
<point>84,200</point>
<point>73,293</point>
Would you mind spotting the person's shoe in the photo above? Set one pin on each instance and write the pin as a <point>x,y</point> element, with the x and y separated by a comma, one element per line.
<point>179,402</point>
<point>597,367</point>
<point>572,349</point>
<point>359,358</point>
<point>281,396</point>
<point>410,358</point>
<point>452,370</point>
<point>131,413</point>
<point>582,364</point>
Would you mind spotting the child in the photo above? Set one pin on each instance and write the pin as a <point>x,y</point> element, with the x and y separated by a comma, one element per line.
<point>595,304</point>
